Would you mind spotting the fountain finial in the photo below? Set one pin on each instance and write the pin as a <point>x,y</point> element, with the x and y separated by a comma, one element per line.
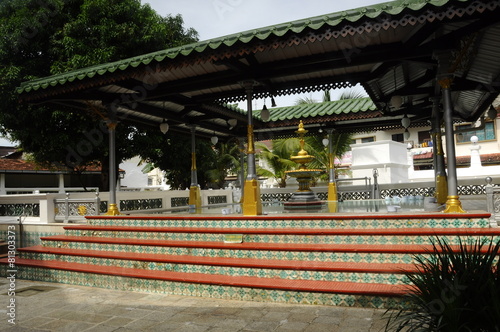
<point>302,156</point>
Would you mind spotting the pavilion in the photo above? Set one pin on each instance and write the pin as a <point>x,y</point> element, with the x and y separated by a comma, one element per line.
<point>418,60</point>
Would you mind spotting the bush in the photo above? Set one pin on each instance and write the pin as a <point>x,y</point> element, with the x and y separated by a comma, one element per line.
<point>457,288</point>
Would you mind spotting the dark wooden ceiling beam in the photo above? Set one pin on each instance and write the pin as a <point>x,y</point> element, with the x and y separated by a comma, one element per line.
<point>280,87</point>
<point>453,38</point>
<point>284,68</point>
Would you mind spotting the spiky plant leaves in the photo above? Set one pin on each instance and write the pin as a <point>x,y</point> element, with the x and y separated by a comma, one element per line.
<point>456,288</point>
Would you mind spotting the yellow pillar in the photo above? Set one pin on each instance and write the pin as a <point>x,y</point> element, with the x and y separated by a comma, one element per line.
<point>453,204</point>
<point>332,197</point>
<point>441,179</point>
<point>441,189</point>
<point>194,189</point>
<point>195,198</point>
<point>112,206</point>
<point>252,203</point>
<point>332,186</point>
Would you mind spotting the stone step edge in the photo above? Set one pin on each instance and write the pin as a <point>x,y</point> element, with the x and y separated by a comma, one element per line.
<point>318,247</point>
<point>332,287</point>
<point>292,231</point>
<point>388,268</point>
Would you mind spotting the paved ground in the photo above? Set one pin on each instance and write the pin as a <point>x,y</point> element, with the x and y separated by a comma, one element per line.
<point>42,306</point>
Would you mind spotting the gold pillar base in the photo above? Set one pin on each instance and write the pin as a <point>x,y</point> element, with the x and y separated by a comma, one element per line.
<point>441,189</point>
<point>453,205</point>
<point>113,210</point>
<point>332,197</point>
<point>195,198</point>
<point>252,204</point>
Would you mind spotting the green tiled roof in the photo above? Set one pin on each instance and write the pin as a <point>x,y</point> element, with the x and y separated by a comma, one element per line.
<point>314,23</point>
<point>328,108</point>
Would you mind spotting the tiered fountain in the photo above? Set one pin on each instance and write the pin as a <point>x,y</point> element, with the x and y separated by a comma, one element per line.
<point>304,199</point>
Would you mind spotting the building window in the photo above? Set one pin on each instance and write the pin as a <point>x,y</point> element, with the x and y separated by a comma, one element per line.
<point>424,137</point>
<point>368,139</point>
<point>485,134</point>
<point>398,138</point>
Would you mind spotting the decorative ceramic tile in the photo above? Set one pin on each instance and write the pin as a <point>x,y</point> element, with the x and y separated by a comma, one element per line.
<point>242,293</point>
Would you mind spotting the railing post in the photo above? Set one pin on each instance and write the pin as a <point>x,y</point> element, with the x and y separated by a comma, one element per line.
<point>490,200</point>
<point>66,211</point>
<point>97,203</point>
<point>376,189</point>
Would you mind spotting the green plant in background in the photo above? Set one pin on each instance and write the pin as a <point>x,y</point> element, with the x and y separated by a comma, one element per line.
<point>277,159</point>
<point>457,288</point>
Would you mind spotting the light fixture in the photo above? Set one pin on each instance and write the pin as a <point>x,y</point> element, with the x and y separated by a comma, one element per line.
<point>264,114</point>
<point>406,134</point>
<point>232,123</point>
<point>273,103</point>
<point>164,126</point>
<point>405,121</point>
<point>492,113</point>
<point>396,101</point>
<point>214,139</point>
<point>325,142</point>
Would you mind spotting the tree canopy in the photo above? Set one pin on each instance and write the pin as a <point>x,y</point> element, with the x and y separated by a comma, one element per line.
<point>41,38</point>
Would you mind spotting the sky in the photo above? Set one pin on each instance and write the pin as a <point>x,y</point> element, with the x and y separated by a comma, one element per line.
<point>217,18</point>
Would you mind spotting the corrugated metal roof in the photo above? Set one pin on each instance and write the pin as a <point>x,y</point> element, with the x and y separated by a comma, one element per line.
<point>314,23</point>
<point>391,49</point>
<point>329,108</point>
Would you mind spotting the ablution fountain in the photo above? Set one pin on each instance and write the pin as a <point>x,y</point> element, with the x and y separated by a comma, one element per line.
<point>304,199</point>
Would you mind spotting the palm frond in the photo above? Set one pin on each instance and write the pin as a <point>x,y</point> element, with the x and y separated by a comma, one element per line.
<point>457,288</point>
<point>305,100</point>
<point>352,94</point>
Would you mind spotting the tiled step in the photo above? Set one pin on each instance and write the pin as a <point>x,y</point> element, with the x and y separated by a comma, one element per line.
<point>359,260</point>
<point>243,253</point>
<point>228,261</point>
<point>290,231</point>
<point>373,221</point>
<point>391,273</point>
<point>66,241</point>
<point>282,235</point>
<point>367,289</point>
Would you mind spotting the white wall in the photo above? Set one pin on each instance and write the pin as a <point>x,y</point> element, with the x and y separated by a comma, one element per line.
<point>134,177</point>
<point>461,149</point>
<point>388,157</point>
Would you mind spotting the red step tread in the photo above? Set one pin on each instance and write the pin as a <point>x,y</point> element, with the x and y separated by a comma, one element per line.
<point>293,231</point>
<point>360,248</point>
<point>234,262</point>
<point>253,282</point>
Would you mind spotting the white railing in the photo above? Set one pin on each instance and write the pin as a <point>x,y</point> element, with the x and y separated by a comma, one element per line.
<point>493,202</point>
<point>38,190</point>
<point>49,208</point>
<point>72,209</point>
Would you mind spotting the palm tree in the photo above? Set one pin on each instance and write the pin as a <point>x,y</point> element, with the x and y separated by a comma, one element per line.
<point>278,160</point>
<point>278,157</point>
<point>341,141</point>
<point>226,161</point>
